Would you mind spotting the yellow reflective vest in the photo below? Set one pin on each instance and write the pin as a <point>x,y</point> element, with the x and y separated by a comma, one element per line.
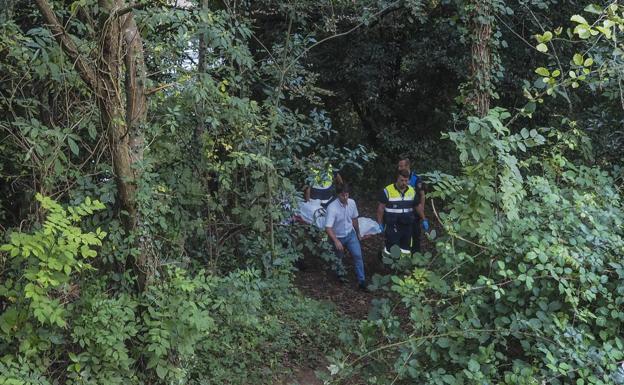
<point>322,183</point>
<point>400,207</point>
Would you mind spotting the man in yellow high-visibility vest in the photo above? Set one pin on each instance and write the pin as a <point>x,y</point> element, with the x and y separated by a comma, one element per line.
<point>322,184</point>
<point>395,213</point>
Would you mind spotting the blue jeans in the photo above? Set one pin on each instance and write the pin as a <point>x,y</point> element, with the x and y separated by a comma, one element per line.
<point>351,243</point>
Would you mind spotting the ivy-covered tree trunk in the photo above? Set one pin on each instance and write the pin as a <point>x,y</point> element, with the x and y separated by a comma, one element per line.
<point>122,107</point>
<point>480,26</point>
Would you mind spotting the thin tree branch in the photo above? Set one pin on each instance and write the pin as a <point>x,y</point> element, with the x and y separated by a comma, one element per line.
<point>87,72</point>
<point>158,88</point>
<point>379,13</point>
<point>122,11</point>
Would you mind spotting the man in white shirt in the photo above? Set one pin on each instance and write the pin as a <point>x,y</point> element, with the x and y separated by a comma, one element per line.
<point>342,228</point>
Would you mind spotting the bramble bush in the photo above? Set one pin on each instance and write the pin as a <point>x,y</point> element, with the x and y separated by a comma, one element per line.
<point>525,285</point>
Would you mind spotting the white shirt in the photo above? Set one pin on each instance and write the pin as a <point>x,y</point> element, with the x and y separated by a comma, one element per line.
<point>340,217</point>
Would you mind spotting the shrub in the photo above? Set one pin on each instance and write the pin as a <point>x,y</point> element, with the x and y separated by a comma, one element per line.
<point>526,285</point>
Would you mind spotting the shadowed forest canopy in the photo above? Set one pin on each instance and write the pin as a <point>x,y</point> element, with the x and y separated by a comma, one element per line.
<point>153,155</point>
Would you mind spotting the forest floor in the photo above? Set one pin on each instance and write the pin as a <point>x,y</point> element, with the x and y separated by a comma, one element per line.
<point>318,281</point>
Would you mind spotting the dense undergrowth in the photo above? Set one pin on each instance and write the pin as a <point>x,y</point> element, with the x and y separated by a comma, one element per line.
<point>64,323</point>
<point>151,153</point>
<point>524,285</point>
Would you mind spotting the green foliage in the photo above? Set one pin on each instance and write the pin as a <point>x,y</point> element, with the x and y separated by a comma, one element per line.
<point>524,285</point>
<point>258,325</point>
<point>492,181</point>
<point>102,328</point>
<point>606,27</point>
<point>47,260</point>
<point>518,294</point>
<point>177,317</point>
<point>18,371</point>
<point>41,272</point>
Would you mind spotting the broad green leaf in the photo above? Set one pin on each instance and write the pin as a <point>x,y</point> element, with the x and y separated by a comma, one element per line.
<point>475,153</point>
<point>161,371</point>
<point>578,59</point>
<point>73,146</point>
<point>582,30</point>
<point>604,31</point>
<point>593,8</point>
<point>547,36</point>
<point>542,47</point>
<point>542,71</point>
<point>443,342</point>
<point>578,19</point>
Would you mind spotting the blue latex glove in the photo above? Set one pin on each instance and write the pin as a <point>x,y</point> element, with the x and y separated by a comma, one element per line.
<point>381,228</point>
<point>425,224</point>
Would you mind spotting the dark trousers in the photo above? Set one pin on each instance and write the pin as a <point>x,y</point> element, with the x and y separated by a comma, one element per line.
<point>399,234</point>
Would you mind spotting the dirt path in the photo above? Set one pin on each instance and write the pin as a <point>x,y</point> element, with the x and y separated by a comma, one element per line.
<point>318,281</point>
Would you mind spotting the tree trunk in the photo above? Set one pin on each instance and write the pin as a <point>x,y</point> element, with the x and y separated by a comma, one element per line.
<point>123,111</point>
<point>202,68</point>
<point>481,57</point>
<point>136,117</point>
<point>112,111</point>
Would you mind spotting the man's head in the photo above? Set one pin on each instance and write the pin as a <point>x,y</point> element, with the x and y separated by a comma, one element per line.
<point>402,179</point>
<point>404,164</point>
<point>343,191</point>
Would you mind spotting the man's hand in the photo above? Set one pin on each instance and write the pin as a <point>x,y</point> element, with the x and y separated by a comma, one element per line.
<point>339,246</point>
<point>425,223</point>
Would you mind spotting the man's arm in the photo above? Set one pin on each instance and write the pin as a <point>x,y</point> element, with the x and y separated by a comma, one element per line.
<point>420,210</point>
<point>329,228</point>
<point>354,218</point>
<point>356,226</point>
<point>338,179</point>
<point>332,236</point>
<point>380,212</point>
<point>306,193</point>
<point>420,207</point>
